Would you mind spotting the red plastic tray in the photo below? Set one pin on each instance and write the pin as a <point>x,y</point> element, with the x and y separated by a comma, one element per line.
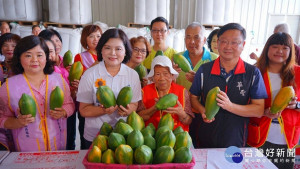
<point>89,165</point>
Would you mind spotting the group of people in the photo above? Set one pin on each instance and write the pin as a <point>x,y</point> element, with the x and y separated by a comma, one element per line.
<point>34,66</point>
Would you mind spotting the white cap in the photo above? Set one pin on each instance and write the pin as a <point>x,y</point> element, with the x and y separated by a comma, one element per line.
<point>162,61</point>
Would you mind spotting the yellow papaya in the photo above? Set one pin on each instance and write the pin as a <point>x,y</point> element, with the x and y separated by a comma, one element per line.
<point>68,58</point>
<point>76,71</point>
<point>27,105</point>
<point>166,101</point>
<point>56,98</point>
<point>124,96</point>
<point>182,62</point>
<point>211,106</point>
<point>108,157</point>
<point>282,99</point>
<point>124,154</point>
<point>106,96</point>
<point>94,155</point>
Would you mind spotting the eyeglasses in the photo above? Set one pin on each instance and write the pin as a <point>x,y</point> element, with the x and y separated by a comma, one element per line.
<point>232,43</point>
<point>159,31</point>
<point>137,50</point>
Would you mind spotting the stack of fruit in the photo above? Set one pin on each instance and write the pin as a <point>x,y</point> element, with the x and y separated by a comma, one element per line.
<point>133,143</point>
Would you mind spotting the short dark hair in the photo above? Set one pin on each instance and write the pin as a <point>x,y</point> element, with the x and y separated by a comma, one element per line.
<point>87,30</point>
<point>231,26</point>
<point>49,33</point>
<point>26,44</point>
<point>159,19</point>
<point>34,26</point>
<point>8,37</point>
<point>210,37</point>
<point>114,33</point>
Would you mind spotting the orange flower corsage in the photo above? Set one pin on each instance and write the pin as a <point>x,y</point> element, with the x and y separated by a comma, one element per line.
<point>100,82</point>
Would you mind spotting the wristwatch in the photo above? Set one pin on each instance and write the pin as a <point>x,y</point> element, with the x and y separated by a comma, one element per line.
<point>297,105</point>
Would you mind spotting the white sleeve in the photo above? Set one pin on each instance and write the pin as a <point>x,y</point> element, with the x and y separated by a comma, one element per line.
<point>136,87</point>
<point>85,89</point>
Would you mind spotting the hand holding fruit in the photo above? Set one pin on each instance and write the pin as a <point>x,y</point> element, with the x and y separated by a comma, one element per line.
<point>190,76</point>
<point>205,119</point>
<point>24,120</point>
<point>267,113</point>
<point>125,111</point>
<point>58,113</point>
<point>176,110</point>
<point>292,103</point>
<point>224,101</point>
<point>109,110</point>
<point>176,67</point>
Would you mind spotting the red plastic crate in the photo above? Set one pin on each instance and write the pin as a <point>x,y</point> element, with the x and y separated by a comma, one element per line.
<point>89,165</point>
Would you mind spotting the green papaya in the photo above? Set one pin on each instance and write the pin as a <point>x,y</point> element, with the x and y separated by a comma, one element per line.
<point>27,105</point>
<point>119,121</point>
<point>182,62</point>
<point>178,130</point>
<point>135,139</point>
<point>135,121</point>
<point>56,98</point>
<point>150,142</point>
<point>183,139</point>
<point>160,131</point>
<point>115,139</point>
<point>106,96</point>
<point>211,106</point>
<point>124,96</point>
<point>166,101</point>
<point>106,129</point>
<point>164,154</point>
<point>143,155</point>
<point>76,71</point>
<point>183,155</point>
<point>147,131</point>
<point>141,70</point>
<point>68,58</point>
<point>166,139</point>
<point>101,142</point>
<point>282,99</point>
<point>123,128</point>
<point>166,120</point>
<point>159,53</point>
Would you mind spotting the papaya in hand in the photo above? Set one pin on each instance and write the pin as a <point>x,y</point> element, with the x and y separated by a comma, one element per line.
<point>27,105</point>
<point>282,99</point>
<point>211,106</point>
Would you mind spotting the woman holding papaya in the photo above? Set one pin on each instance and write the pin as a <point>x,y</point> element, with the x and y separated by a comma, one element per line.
<point>140,49</point>
<point>280,130</point>
<point>34,76</point>
<point>163,75</point>
<point>113,51</point>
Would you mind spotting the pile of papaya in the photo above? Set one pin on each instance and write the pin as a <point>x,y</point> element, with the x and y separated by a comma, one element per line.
<point>132,142</point>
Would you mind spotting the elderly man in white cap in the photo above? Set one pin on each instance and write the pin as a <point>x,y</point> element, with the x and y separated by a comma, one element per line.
<point>163,75</point>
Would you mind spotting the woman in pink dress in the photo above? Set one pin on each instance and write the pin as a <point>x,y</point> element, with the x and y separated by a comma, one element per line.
<point>34,76</point>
